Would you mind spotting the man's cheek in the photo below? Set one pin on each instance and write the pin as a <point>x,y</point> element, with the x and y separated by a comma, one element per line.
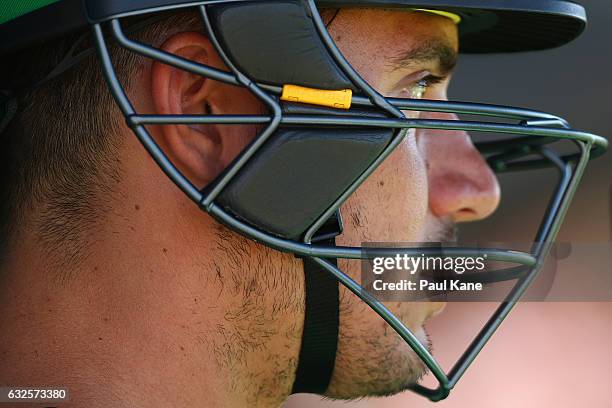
<point>391,205</point>
<point>406,190</point>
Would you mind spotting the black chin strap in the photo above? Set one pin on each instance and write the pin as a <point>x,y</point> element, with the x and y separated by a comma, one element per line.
<point>320,336</point>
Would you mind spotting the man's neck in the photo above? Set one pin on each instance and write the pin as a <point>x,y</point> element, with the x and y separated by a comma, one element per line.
<point>144,322</point>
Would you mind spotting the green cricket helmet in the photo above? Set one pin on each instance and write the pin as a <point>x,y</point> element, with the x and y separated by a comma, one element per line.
<point>327,130</point>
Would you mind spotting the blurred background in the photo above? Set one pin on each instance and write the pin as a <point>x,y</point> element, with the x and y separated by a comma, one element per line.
<point>546,354</point>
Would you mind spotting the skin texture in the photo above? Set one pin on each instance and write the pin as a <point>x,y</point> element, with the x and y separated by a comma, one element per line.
<point>172,309</point>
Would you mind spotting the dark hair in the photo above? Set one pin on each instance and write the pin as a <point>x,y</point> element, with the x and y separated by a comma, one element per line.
<point>58,162</point>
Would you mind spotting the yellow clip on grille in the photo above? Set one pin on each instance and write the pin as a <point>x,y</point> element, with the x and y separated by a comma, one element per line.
<point>334,99</point>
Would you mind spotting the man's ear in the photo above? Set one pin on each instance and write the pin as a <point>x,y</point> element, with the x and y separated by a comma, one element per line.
<point>195,149</point>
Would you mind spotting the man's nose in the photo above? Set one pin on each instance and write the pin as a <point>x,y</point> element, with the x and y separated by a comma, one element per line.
<point>462,186</point>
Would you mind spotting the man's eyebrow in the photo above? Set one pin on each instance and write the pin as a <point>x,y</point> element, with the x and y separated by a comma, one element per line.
<point>427,52</point>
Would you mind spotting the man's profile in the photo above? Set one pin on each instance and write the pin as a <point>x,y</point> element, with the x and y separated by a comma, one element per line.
<point>115,285</point>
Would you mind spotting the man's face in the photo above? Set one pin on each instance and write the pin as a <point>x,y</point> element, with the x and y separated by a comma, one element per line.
<point>430,182</point>
<point>433,180</point>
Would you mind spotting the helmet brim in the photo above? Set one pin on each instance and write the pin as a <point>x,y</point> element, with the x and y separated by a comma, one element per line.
<point>499,26</point>
<point>487,26</point>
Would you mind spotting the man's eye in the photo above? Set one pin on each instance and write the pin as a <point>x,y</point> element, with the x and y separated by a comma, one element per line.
<point>416,90</point>
<point>419,89</point>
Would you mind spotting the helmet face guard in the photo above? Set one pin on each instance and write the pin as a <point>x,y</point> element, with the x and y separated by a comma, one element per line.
<point>286,186</point>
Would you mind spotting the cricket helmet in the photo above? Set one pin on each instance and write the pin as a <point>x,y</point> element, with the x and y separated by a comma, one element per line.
<point>326,131</point>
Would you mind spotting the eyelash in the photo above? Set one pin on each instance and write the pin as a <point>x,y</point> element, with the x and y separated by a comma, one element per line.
<point>431,80</point>
<point>418,89</point>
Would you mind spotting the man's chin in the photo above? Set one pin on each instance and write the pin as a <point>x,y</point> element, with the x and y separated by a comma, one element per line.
<point>418,369</point>
<point>392,371</point>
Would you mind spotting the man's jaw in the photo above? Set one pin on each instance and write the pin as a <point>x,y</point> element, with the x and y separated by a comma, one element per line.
<point>442,231</point>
